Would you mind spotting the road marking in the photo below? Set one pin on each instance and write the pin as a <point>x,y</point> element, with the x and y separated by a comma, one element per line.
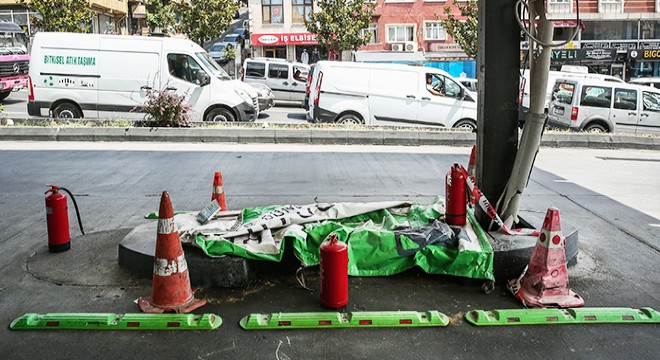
<point>655,225</point>
<point>563,181</point>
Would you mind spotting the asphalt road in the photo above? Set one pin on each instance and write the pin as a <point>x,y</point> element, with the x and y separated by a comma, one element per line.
<point>116,184</point>
<point>15,106</point>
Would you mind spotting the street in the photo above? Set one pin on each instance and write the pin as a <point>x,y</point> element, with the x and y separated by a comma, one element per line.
<point>15,106</point>
<point>117,183</point>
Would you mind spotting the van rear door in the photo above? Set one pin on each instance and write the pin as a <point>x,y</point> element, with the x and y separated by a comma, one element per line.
<point>393,96</point>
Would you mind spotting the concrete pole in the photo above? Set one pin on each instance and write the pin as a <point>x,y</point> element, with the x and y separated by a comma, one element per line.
<point>509,204</point>
<point>498,72</point>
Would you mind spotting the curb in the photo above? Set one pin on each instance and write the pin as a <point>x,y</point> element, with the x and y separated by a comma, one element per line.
<point>311,136</point>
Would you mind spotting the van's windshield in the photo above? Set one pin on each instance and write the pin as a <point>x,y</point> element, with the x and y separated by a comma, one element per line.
<point>212,66</point>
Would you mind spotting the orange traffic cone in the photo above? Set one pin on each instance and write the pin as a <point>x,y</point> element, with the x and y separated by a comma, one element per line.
<point>171,285</point>
<point>218,193</point>
<point>544,283</point>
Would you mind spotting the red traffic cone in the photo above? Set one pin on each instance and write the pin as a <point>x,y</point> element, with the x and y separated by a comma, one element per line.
<point>544,283</point>
<point>472,164</point>
<point>171,285</point>
<point>218,193</point>
<point>472,170</point>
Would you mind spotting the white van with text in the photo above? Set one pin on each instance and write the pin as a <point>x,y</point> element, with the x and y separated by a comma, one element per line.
<point>108,76</point>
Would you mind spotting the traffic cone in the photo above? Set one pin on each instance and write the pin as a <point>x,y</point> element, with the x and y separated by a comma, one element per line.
<point>218,193</point>
<point>544,283</point>
<point>171,285</point>
<point>472,171</point>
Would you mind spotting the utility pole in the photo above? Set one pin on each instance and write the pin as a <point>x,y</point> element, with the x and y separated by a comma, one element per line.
<point>498,72</point>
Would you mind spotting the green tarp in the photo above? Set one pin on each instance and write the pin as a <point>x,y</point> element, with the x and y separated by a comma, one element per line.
<point>381,241</point>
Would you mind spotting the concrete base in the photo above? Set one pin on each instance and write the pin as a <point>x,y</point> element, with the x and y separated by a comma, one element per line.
<point>512,253</point>
<point>136,254</point>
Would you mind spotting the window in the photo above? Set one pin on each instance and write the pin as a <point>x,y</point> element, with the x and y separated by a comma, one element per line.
<point>300,73</point>
<point>442,86</point>
<point>563,92</point>
<point>651,101</point>
<point>183,67</point>
<point>434,31</point>
<point>560,1</point>
<point>271,11</point>
<point>596,96</point>
<point>301,10</point>
<point>278,71</point>
<point>400,33</point>
<point>610,1</point>
<point>255,69</point>
<point>609,30</point>
<point>373,30</point>
<point>625,99</point>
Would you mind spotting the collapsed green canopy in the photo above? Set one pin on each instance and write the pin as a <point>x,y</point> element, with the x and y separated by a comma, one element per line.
<point>382,238</point>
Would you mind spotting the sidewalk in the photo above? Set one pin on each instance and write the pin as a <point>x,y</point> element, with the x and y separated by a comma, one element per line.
<point>273,135</point>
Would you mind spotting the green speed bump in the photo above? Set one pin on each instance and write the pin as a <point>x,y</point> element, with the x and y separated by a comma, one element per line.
<point>563,316</point>
<point>109,321</point>
<point>362,319</point>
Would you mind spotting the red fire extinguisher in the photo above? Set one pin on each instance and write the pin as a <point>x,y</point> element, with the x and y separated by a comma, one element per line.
<point>334,273</point>
<point>455,196</point>
<point>57,219</point>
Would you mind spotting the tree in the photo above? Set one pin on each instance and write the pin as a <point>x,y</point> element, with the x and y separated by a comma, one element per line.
<point>339,23</point>
<point>204,20</point>
<point>464,32</point>
<point>61,15</point>
<point>159,14</point>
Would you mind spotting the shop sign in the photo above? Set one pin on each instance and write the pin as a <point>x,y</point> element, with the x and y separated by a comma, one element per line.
<point>649,45</point>
<point>624,45</point>
<point>569,55</point>
<point>284,39</point>
<point>595,44</point>
<point>644,54</point>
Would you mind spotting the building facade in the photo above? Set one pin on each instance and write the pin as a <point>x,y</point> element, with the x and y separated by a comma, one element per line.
<point>278,29</point>
<point>618,37</point>
<point>110,16</point>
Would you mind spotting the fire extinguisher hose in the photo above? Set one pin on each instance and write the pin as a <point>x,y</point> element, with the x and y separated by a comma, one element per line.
<point>75,205</point>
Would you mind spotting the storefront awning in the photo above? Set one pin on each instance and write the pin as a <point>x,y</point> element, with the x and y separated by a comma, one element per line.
<point>139,11</point>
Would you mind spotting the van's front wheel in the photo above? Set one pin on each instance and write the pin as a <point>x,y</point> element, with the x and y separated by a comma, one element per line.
<point>67,110</point>
<point>220,115</point>
<point>349,119</point>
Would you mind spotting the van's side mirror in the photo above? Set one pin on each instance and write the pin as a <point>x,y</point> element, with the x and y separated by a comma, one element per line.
<point>203,78</point>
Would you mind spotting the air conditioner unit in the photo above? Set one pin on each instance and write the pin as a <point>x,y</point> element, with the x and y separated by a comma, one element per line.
<point>410,46</point>
<point>397,47</point>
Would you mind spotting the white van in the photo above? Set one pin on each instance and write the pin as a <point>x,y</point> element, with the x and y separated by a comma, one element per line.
<point>603,106</point>
<point>107,76</point>
<point>287,79</point>
<point>389,94</point>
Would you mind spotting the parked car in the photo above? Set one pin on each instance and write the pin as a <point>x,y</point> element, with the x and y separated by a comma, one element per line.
<point>389,94</point>
<point>570,72</point>
<point>469,83</point>
<point>601,106</point>
<point>240,31</point>
<point>265,96</point>
<point>216,51</point>
<point>287,79</point>
<point>233,38</point>
<point>648,81</point>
